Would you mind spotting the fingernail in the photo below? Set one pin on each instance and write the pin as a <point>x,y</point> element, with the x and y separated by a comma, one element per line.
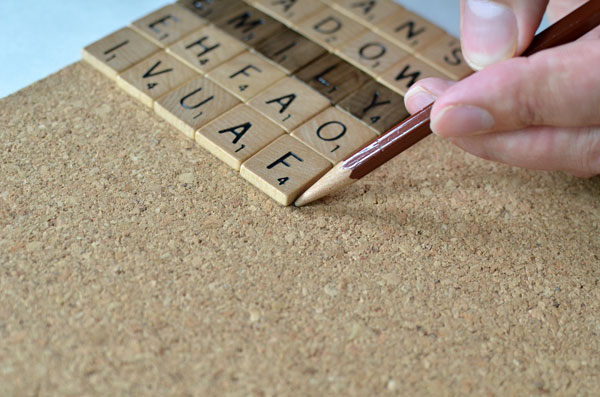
<point>489,33</point>
<point>419,98</point>
<point>462,120</point>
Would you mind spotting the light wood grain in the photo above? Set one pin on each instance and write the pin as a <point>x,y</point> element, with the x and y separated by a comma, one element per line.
<point>194,104</point>
<point>405,73</point>
<point>289,12</point>
<point>289,103</point>
<point>334,134</point>
<point>372,53</point>
<point>246,75</point>
<point>409,31</point>
<point>330,28</point>
<point>168,24</point>
<point>206,49</point>
<point>446,55</point>
<point>369,12</point>
<point>118,51</point>
<point>237,135</point>
<point>284,169</point>
<point>154,77</point>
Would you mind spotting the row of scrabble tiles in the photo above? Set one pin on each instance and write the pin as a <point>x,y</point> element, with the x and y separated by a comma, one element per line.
<point>196,76</point>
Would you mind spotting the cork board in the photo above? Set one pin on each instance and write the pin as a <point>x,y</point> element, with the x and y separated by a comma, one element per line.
<point>135,263</point>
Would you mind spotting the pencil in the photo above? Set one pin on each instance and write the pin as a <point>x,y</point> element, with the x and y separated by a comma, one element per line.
<point>417,127</point>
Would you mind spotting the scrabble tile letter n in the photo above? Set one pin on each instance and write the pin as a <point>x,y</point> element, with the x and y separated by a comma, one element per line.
<point>285,169</point>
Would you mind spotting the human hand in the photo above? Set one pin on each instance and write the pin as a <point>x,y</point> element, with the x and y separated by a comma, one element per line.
<point>541,112</point>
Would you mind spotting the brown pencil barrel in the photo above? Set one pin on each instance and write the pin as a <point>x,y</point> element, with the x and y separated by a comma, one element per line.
<point>568,29</point>
<point>397,140</point>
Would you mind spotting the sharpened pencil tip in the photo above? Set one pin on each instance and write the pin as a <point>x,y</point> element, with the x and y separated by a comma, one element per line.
<point>337,178</point>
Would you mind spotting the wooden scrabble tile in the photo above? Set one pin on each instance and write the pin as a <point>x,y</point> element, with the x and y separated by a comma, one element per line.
<point>368,12</point>
<point>289,12</point>
<point>334,134</point>
<point>284,169</point>
<point>377,106</point>
<point>206,49</point>
<point>372,53</point>
<point>237,135</point>
<point>446,56</point>
<point>118,51</point>
<point>154,77</point>
<point>290,50</point>
<point>246,75</point>
<point>330,28</point>
<point>333,77</point>
<point>248,24</point>
<point>169,24</point>
<point>405,73</point>
<point>409,30</point>
<point>211,10</point>
<point>289,103</point>
<point>194,104</point>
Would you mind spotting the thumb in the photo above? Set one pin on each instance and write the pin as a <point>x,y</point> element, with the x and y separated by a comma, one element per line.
<point>493,31</point>
<point>557,87</point>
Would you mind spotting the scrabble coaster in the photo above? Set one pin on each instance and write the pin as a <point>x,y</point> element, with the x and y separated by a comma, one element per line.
<point>334,134</point>
<point>167,25</point>
<point>246,75</point>
<point>237,75</point>
<point>377,106</point>
<point>154,77</point>
<point>206,49</point>
<point>237,135</point>
<point>289,103</point>
<point>194,104</point>
<point>119,51</point>
<point>284,169</point>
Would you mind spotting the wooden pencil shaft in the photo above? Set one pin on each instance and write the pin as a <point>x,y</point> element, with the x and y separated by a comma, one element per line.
<point>417,127</point>
<point>397,140</point>
<point>568,29</point>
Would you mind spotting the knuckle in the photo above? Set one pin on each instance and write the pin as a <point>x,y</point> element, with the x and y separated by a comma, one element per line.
<point>590,159</point>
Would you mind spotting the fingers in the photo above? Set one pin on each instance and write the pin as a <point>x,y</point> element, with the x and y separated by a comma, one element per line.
<point>425,92</point>
<point>560,8</point>
<point>558,87</point>
<point>575,150</point>
<point>493,31</point>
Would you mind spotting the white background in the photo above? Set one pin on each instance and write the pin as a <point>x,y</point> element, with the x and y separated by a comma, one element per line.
<point>40,37</point>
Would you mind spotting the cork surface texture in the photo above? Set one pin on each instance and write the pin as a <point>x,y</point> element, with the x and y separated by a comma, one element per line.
<point>132,262</point>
